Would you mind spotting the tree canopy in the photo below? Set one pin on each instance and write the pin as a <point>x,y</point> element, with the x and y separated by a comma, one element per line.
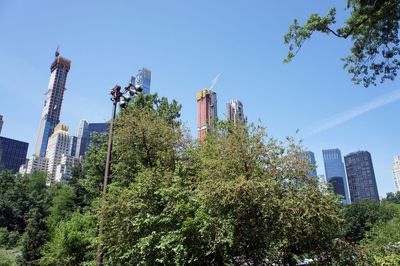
<point>372,26</point>
<point>237,197</point>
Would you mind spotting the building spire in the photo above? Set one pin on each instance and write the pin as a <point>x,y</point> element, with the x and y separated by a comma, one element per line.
<point>57,51</point>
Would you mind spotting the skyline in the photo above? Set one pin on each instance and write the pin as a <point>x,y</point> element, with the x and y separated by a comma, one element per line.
<point>283,104</point>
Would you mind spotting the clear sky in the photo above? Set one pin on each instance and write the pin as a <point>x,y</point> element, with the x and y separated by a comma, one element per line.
<point>186,44</point>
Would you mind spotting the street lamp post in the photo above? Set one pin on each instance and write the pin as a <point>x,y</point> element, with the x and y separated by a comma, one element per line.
<point>122,98</point>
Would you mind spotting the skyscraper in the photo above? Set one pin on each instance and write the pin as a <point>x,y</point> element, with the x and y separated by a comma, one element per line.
<point>12,154</point>
<point>53,102</point>
<point>85,133</point>
<point>58,146</point>
<point>235,111</point>
<point>361,176</point>
<point>1,123</point>
<point>335,174</point>
<point>72,146</point>
<point>396,172</point>
<point>207,112</point>
<point>82,138</point>
<point>311,159</point>
<point>143,78</point>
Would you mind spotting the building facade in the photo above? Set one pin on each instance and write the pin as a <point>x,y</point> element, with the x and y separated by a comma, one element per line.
<point>235,111</point>
<point>311,159</point>
<point>12,154</point>
<point>207,112</point>
<point>143,78</point>
<point>85,133</point>
<point>64,168</point>
<point>58,146</point>
<point>72,146</point>
<point>361,176</point>
<point>53,102</point>
<point>1,123</point>
<point>396,172</point>
<point>35,163</point>
<point>335,173</point>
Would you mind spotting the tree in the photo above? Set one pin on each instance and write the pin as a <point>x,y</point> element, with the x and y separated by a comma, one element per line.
<point>372,26</point>
<point>73,243</point>
<point>382,244</point>
<point>361,216</point>
<point>62,205</point>
<point>234,198</point>
<point>36,232</point>
<point>393,197</point>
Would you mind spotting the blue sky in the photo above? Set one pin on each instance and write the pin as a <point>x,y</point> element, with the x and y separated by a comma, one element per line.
<point>186,44</point>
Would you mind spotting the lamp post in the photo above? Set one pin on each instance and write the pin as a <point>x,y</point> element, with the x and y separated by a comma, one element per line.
<point>122,98</point>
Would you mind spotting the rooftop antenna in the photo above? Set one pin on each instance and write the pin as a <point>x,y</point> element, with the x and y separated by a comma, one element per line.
<point>214,81</point>
<point>57,51</point>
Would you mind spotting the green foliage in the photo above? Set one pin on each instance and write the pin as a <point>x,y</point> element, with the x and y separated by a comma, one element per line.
<point>73,241</point>
<point>393,197</point>
<point>373,27</point>
<point>8,239</point>
<point>235,198</point>
<point>36,234</point>
<point>88,179</point>
<point>8,257</point>
<point>63,204</point>
<point>382,244</point>
<point>361,216</point>
<point>14,202</point>
<point>146,136</point>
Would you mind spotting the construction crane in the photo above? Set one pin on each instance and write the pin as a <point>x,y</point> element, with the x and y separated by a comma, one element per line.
<point>214,81</point>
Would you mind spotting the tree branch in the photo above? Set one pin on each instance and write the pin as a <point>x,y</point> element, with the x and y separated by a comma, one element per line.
<point>378,5</point>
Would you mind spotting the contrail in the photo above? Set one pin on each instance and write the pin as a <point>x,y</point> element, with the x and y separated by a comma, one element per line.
<point>353,113</point>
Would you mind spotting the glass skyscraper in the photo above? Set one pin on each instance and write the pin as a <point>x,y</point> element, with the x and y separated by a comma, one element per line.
<point>311,159</point>
<point>53,102</point>
<point>361,175</point>
<point>84,135</point>
<point>335,173</point>
<point>143,78</point>
<point>12,154</point>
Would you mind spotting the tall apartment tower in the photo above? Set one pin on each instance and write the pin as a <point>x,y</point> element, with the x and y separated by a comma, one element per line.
<point>143,78</point>
<point>59,144</point>
<point>207,112</point>
<point>235,111</point>
<point>361,175</point>
<point>53,102</point>
<point>1,123</point>
<point>396,172</point>
<point>335,174</point>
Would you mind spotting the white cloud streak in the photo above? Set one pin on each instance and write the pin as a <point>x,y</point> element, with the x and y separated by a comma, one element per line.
<point>355,112</point>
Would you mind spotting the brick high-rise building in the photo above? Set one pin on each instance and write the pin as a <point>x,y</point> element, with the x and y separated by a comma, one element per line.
<point>207,112</point>
<point>53,102</point>
<point>361,176</point>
